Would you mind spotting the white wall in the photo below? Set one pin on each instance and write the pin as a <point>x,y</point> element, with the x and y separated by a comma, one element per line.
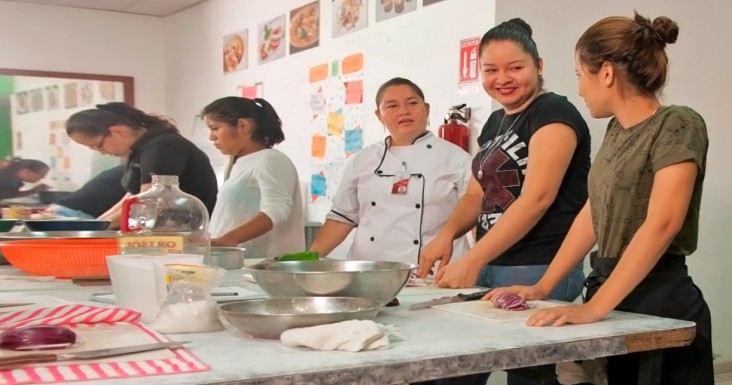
<point>699,77</point>
<point>50,38</point>
<point>422,45</point>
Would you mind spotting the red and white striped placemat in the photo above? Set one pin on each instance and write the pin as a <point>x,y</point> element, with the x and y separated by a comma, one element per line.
<point>105,335</point>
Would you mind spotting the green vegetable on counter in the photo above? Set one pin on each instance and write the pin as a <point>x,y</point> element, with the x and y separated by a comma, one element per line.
<point>302,256</point>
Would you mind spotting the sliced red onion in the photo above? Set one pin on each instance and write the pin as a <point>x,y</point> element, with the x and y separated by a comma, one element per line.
<point>510,302</point>
<point>37,338</point>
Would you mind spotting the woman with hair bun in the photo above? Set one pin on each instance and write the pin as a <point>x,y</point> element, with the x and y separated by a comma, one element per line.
<point>529,180</point>
<point>645,189</point>
<point>259,206</point>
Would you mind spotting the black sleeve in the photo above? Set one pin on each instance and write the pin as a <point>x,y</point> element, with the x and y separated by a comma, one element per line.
<point>556,109</point>
<point>166,156</point>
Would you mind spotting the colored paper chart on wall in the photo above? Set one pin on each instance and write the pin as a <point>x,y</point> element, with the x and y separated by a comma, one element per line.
<point>336,106</point>
<point>59,161</point>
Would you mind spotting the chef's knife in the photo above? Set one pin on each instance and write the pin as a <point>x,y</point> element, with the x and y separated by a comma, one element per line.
<point>39,358</point>
<point>16,304</point>
<point>452,299</point>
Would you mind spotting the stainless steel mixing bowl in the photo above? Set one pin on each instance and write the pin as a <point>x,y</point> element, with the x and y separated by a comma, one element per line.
<point>333,278</point>
<point>268,318</point>
<point>228,257</point>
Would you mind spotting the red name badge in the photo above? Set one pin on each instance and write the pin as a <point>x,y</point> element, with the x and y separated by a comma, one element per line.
<point>401,183</point>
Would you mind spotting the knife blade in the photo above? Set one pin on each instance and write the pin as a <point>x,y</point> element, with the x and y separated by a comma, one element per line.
<point>16,304</point>
<point>451,299</point>
<point>39,358</point>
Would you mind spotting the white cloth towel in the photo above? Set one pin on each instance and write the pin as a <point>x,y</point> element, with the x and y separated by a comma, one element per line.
<point>351,336</point>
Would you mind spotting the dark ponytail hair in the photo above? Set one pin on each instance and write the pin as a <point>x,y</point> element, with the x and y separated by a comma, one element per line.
<point>634,46</point>
<point>14,165</point>
<point>515,30</point>
<point>96,121</point>
<point>267,124</point>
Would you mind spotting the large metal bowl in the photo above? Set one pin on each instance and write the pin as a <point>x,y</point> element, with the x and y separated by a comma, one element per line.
<point>332,278</point>
<point>268,318</point>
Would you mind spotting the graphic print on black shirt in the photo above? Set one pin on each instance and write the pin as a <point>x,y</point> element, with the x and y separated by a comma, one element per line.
<point>502,176</point>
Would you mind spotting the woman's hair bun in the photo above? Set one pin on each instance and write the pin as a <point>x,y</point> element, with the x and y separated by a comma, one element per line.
<point>662,30</point>
<point>520,24</point>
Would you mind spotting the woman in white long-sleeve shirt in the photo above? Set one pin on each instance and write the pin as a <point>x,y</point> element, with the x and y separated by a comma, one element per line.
<point>259,206</point>
<point>399,192</point>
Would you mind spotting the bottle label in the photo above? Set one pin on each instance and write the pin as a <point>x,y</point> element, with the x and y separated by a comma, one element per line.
<point>151,245</point>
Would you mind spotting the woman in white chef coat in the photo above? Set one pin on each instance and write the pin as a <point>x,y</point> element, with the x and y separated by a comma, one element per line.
<point>399,192</point>
<point>259,206</point>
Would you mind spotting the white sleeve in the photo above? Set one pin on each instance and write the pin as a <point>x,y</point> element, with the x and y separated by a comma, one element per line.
<point>277,178</point>
<point>345,202</point>
<point>463,173</point>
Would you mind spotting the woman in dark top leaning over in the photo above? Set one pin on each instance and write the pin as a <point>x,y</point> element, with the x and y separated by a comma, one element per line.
<point>17,172</point>
<point>152,146</point>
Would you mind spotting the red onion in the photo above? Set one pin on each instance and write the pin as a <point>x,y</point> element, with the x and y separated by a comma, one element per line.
<point>511,302</point>
<point>37,338</point>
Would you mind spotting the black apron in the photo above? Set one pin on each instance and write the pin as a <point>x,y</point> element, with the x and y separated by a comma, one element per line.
<point>668,292</point>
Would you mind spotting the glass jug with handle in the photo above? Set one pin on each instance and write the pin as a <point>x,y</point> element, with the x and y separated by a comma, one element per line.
<point>164,220</point>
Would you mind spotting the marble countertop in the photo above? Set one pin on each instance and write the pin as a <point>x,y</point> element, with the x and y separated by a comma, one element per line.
<point>439,344</point>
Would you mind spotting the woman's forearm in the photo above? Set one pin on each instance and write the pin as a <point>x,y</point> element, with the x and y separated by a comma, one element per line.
<point>330,235</point>
<point>259,225</point>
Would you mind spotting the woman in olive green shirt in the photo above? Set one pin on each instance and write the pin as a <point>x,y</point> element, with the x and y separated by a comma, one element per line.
<point>645,190</point>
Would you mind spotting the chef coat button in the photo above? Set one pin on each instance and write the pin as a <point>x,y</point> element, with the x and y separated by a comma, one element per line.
<point>373,203</point>
<point>379,172</point>
<point>416,242</point>
<point>429,146</point>
<point>372,239</point>
<point>417,205</point>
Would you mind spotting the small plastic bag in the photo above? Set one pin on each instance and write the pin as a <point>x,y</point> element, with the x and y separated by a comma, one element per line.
<point>189,307</point>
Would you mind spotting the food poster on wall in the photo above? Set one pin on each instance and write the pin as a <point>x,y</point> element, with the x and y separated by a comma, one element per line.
<point>305,27</point>
<point>52,97</point>
<point>36,99</point>
<point>70,95</point>
<point>59,160</point>
<point>269,40</point>
<point>386,9</point>
<point>336,105</point>
<point>22,106</point>
<point>468,71</point>
<point>235,51</point>
<point>349,16</point>
<point>86,94</point>
<point>108,92</point>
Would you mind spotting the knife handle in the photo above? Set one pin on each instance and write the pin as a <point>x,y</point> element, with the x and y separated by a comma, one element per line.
<point>25,359</point>
<point>473,296</point>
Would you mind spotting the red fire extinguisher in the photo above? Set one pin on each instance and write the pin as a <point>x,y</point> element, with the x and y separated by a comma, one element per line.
<point>455,129</point>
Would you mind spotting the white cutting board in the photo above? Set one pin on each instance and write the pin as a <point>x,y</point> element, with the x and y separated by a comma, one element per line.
<point>485,310</point>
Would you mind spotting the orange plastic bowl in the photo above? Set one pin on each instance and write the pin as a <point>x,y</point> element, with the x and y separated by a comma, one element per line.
<point>62,258</point>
